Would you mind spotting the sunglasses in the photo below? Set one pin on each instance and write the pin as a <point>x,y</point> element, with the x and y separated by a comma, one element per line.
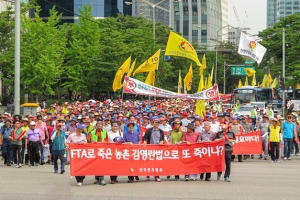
<point>289,118</point>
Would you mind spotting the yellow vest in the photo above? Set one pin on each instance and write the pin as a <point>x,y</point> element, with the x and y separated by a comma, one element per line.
<point>274,133</point>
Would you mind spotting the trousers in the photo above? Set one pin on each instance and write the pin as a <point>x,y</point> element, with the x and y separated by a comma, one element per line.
<point>59,154</point>
<point>274,150</point>
<point>7,150</point>
<point>34,151</point>
<point>227,164</point>
<point>17,153</point>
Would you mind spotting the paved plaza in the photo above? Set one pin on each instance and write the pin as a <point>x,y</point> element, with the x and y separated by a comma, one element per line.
<point>252,179</point>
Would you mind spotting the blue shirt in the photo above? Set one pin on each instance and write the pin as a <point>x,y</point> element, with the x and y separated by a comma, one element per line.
<point>5,132</point>
<point>136,128</point>
<point>288,129</point>
<point>132,137</point>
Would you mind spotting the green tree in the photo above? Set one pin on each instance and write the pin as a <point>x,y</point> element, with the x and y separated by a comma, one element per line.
<point>83,53</point>
<point>43,49</point>
<point>272,40</point>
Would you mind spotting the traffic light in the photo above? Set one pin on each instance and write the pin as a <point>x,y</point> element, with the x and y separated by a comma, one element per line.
<point>281,83</point>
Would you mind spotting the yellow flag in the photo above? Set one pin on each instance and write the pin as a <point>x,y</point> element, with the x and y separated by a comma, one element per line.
<point>274,83</point>
<point>246,81</point>
<point>149,65</point>
<point>203,66</point>
<point>253,83</point>
<point>179,83</point>
<point>150,78</point>
<point>119,75</point>
<point>240,84</point>
<point>209,83</point>
<point>131,68</point>
<point>250,72</point>
<point>188,79</point>
<point>269,80</point>
<point>178,46</point>
<point>200,103</point>
<point>264,82</point>
<point>212,72</point>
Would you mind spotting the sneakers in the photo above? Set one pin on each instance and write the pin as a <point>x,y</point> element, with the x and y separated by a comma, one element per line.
<point>20,165</point>
<point>168,177</point>
<point>48,161</point>
<point>15,165</point>
<point>272,161</point>
<point>277,160</point>
<point>260,157</point>
<point>79,184</point>
<point>112,182</point>
<point>296,154</point>
<point>207,179</point>
<point>148,178</point>
<point>186,179</point>
<point>136,178</point>
<point>177,179</point>
<point>289,158</point>
<point>252,156</point>
<point>266,158</point>
<point>158,179</point>
<point>102,182</point>
<point>55,171</point>
<point>226,179</point>
<point>62,171</point>
<point>130,181</point>
<point>284,158</point>
<point>42,163</point>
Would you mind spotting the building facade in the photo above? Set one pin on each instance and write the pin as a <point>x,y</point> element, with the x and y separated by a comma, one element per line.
<point>234,35</point>
<point>278,9</point>
<point>197,20</point>
<point>70,8</point>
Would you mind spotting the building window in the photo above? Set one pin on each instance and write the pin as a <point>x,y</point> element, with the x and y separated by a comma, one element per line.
<point>185,10</point>
<point>195,10</point>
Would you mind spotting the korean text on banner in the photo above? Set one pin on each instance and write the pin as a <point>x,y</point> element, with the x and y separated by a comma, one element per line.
<point>249,143</point>
<point>151,160</point>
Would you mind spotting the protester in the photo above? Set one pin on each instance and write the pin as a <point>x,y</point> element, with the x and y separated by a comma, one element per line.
<point>58,138</point>
<point>206,136</point>
<point>154,136</point>
<point>16,137</point>
<point>6,144</point>
<point>44,134</point>
<point>78,138</point>
<point>190,137</point>
<point>229,138</point>
<point>131,137</point>
<point>274,130</point>
<point>33,140</point>
<point>289,132</point>
<point>263,127</point>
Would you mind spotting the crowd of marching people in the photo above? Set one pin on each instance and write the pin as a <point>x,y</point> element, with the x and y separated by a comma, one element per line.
<point>45,137</point>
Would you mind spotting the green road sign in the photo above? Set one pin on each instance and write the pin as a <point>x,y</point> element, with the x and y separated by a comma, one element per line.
<point>249,62</point>
<point>239,70</point>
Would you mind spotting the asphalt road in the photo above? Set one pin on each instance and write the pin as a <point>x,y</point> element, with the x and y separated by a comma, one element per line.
<point>252,179</point>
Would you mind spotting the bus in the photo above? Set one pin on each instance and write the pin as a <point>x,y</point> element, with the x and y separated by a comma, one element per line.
<point>293,94</point>
<point>248,94</point>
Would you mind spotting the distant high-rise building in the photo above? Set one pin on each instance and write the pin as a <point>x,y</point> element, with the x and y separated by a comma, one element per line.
<point>277,9</point>
<point>234,35</point>
<point>69,8</point>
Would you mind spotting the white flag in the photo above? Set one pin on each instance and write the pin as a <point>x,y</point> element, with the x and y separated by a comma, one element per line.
<point>251,48</point>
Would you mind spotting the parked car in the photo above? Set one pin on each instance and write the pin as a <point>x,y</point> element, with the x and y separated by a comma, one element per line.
<point>245,110</point>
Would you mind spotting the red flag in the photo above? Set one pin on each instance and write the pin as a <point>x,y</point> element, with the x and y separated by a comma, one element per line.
<point>13,135</point>
<point>23,133</point>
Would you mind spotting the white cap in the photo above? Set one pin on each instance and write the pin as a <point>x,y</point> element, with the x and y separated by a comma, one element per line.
<point>32,123</point>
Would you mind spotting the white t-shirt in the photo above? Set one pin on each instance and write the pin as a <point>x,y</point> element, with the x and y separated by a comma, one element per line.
<point>215,127</point>
<point>166,127</point>
<point>112,135</point>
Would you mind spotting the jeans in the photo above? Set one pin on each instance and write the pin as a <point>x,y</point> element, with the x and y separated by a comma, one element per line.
<point>17,153</point>
<point>296,147</point>
<point>59,154</point>
<point>7,150</point>
<point>42,151</point>
<point>34,151</point>
<point>288,145</point>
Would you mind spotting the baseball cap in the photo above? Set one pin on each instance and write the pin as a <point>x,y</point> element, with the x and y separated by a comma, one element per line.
<point>32,123</point>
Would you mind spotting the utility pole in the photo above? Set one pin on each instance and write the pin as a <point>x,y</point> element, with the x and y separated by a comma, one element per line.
<point>17,57</point>
<point>283,71</point>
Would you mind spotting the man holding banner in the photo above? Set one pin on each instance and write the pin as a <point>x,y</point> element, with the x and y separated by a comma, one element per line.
<point>229,138</point>
<point>154,136</point>
<point>131,137</point>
